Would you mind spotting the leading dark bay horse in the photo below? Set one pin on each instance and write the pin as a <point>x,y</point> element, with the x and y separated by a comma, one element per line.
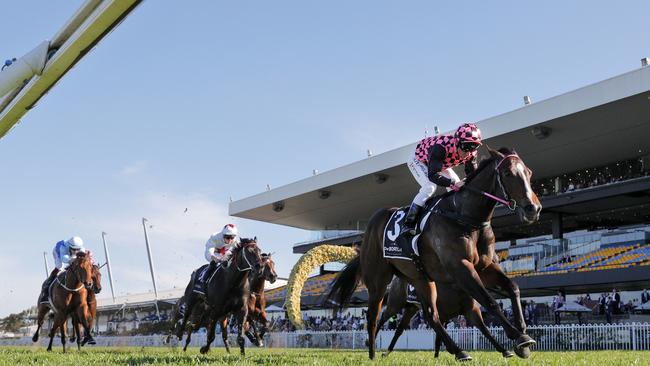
<point>451,302</point>
<point>449,247</point>
<point>69,296</point>
<point>228,291</point>
<point>256,304</point>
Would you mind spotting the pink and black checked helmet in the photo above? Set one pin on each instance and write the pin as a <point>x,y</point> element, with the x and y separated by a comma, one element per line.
<point>469,137</point>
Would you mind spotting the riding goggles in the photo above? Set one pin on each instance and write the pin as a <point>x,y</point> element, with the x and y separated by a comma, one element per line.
<point>468,146</point>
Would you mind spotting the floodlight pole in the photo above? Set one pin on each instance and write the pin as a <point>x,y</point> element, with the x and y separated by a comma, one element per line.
<point>153,276</point>
<point>108,266</point>
<point>47,269</point>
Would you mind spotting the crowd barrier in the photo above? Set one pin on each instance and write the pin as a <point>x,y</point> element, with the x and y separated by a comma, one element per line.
<point>631,336</point>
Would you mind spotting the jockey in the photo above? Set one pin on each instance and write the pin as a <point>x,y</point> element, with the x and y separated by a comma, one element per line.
<point>432,165</point>
<point>64,252</point>
<point>218,249</point>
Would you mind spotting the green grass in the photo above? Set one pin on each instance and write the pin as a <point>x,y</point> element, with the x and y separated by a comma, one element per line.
<point>279,356</point>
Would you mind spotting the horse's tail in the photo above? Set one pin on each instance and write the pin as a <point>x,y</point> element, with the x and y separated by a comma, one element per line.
<point>344,285</point>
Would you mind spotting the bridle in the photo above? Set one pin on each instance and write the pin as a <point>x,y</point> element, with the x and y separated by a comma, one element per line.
<point>506,200</point>
<point>250,266</point>
<point>74,270</point>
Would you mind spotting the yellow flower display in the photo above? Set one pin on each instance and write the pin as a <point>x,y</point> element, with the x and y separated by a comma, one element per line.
<point>310,260</point>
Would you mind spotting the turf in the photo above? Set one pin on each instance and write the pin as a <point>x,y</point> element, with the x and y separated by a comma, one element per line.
<point>279,356</point>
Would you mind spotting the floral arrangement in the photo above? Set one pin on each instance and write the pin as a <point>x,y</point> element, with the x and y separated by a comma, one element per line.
<point>310,260</point>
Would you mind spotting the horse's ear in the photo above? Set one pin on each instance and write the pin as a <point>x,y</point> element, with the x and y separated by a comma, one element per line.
<point>494,153</point>
<point>255,238</point>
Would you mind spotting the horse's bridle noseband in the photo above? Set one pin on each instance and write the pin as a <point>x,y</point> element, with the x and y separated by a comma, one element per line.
<point>506,200</point>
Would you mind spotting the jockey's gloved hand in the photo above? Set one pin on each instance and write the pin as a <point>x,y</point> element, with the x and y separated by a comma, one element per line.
<point>457,186</point>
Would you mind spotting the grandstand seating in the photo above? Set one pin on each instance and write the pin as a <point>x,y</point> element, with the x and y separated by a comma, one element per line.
<point>591,259</point>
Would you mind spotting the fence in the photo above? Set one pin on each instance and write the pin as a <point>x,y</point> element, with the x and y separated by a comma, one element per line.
<point>632,336</point>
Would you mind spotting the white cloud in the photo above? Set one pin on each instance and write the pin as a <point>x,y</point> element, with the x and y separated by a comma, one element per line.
<point>133,168</point>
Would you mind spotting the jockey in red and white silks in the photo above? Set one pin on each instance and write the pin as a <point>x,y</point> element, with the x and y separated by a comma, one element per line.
<point>220,244</point>
<point>218,249</point>
<point>433,161</point>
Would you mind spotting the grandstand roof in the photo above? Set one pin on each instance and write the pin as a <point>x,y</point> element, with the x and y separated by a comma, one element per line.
<point>583,123</point>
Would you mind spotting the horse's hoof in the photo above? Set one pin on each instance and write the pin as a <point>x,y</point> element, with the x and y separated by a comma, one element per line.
<point>73,339</point>
<point>204,350</point>
<point>463,356</point>
<point>507,354</point>
<point>384,355</point>
<point>525,341</point>
<point>90,340</point>
<point>35,338</point>
<point>522,352</point>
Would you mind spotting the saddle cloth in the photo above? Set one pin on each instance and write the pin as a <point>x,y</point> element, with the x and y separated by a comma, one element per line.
<point>394,246</point>
<point>411,295</point>
<point>200,282</point>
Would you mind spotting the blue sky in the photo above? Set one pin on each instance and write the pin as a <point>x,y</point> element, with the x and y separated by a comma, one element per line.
<point>184,106</point>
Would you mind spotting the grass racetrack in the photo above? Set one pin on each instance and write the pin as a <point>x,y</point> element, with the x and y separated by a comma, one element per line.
<point>278,356</point>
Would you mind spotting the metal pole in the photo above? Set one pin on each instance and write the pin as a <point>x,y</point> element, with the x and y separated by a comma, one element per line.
<point>108,266</point>
<point>153,276</point>
<point>47,269</point>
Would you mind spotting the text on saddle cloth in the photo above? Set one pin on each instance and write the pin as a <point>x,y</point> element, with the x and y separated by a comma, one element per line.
<point>411,295</point>
<point>394,245</point>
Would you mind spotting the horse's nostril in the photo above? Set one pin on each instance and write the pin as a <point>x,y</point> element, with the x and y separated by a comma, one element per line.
<point>530,209</point>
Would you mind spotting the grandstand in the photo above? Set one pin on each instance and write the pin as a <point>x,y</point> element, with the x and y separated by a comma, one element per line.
<point>593,232</point>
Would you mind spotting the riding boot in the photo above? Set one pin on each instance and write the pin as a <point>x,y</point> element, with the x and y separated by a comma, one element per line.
<point>46,285</point>
<point>411,219</point>
<point>208,273</point>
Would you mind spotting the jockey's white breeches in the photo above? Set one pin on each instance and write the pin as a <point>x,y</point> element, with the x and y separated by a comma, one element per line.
<point>427,188</point>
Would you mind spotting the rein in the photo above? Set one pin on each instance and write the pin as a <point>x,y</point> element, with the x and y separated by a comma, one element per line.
<point>470,222</point>
<point>506,201</point>
<point>66,287</point>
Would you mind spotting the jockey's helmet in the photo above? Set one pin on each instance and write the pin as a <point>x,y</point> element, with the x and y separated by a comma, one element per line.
<point>468,136</point>
<point>230,230</point>
<point>75,243</point>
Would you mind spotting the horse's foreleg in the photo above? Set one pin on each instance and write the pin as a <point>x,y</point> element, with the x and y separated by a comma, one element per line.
<point>211,328</point>
<point>436,352</point>
<point>468,279</point>
<point>82,316</point>
<point>64,326</point>
<point>59,318</point>
<point>241,315</point>
<point>409,311</point>
<point>493,275</point>
<point>475,318</point>
<point>224,333</point>
<point>428,294</point>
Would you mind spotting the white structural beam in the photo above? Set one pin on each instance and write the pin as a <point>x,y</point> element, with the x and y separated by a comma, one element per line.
<point>87,27</point>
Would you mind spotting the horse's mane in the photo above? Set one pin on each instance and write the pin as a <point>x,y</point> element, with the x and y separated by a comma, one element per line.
<point>485,162</point>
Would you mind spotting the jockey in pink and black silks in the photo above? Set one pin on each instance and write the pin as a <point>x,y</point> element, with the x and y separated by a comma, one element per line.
<point>433,161</point>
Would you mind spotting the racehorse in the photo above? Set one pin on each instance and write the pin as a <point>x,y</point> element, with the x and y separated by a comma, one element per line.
<point>92,305</point>
<point>227,291</point>
<point>256,308</point>
<point>256,304</point>
<point>69,295</point>
<point>451,302</point>
<point>449,247</point>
